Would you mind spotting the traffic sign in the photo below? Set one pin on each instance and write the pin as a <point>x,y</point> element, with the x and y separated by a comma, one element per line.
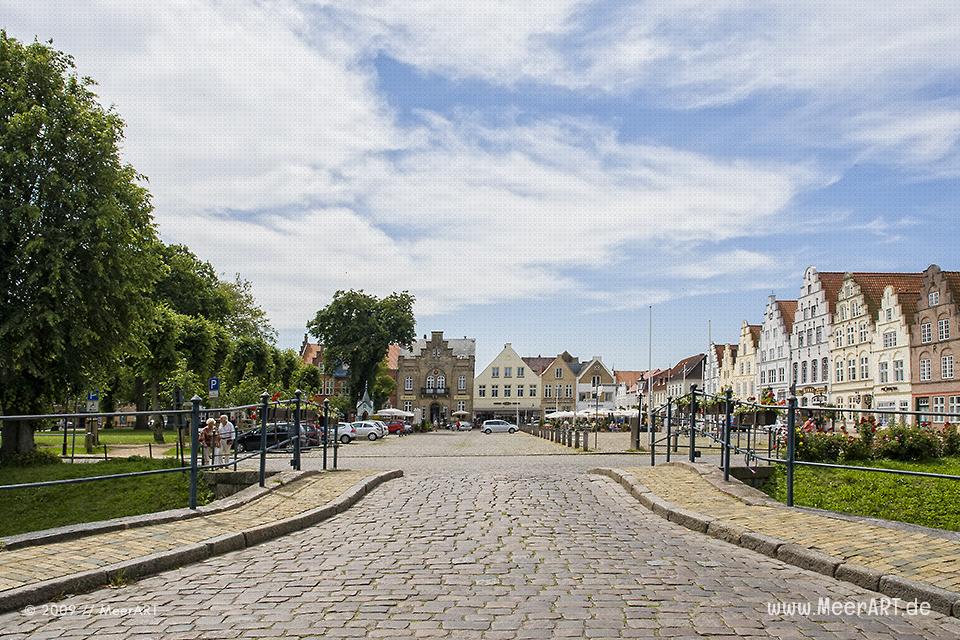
<point>93,402</point>
<point>213,388</point>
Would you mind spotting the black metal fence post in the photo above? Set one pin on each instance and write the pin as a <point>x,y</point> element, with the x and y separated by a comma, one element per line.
<point>693,422</point>
<point>296,428</point>
<point>178,401</point>
<point>326,430</point>
<point>668,426</point>
<point>791,445</point>
<point>727,425</point>
<point>336,441</point>
<point>194,445</point>
<point>264,397</point>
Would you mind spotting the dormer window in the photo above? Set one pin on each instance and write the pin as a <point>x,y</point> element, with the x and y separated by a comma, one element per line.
<point>933,298</point>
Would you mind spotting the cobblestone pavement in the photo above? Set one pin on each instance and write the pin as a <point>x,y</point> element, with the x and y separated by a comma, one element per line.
<point>484,548</point>
<point>43,562</point>
<point>915,555</point>
<point>453,443</point>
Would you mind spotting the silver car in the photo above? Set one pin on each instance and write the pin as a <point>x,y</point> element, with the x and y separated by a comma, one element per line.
<point>498,426</point>
<point>368,430</point>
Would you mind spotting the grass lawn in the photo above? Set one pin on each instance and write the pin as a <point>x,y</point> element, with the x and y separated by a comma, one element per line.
<point>107,437</point>
<point>930,502</point>
<point>23,510</point>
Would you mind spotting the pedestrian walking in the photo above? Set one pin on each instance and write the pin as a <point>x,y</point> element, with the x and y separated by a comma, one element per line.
<point>209,441</point>
<point>228,434</point>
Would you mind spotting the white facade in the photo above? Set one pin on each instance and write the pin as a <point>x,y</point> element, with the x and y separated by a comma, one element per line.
<point>891,348</point>
<point>506,386</point>
<point>773,358</point>
<point>711,368</point>
<point>745,375</point>
<point>811,337</point>
<point>596,387</point>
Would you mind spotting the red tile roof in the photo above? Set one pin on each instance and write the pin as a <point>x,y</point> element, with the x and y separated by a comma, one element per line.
<point>873,284</point>
<point>830,282</point>
<point>788,310</point>
<point>755,331</point>
<point>538,364</point>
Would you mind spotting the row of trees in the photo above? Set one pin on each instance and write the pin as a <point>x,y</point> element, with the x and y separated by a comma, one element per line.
<point>90,297</point>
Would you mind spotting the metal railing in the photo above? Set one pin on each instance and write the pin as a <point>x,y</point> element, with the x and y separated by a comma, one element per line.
<point>781,436</point>
<point>295,435</point>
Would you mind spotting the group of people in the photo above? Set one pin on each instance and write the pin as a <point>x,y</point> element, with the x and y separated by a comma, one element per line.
<point>216,440</point>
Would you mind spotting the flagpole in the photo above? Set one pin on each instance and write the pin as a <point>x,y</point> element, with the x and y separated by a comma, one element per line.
<point>649,377</point>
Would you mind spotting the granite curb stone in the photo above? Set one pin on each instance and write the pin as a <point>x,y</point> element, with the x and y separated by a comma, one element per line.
<point>155,563</point>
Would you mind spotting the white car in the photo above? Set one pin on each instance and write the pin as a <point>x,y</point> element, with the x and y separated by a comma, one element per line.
<point>345,432</point>
<point>465,425</point>
<point>498,426</point>
<point>384,429</point>
<point>368,430</point>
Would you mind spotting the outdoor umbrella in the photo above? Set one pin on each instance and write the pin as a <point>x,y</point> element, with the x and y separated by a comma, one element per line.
<point>460,413</point>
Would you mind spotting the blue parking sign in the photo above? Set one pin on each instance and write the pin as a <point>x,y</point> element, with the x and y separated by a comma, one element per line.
<point>213,389</point>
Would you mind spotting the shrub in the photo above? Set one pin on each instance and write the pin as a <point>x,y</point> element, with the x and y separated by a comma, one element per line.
<point>905,443</point>
<point>820,447</point>
<point>951,440</point>
<point>856,449</point>
<point>31,458</point>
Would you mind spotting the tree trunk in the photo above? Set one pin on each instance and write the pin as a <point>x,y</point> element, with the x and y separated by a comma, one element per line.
<point>157,418</point>
<point>17,437</point>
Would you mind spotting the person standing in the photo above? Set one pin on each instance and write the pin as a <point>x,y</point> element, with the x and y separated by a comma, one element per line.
<point>228,434</point>
<point>209,441</point>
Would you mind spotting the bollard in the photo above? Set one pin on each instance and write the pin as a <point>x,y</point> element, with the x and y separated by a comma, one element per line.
<point>727,424</point>
<point>336,442</point>
<point>693,422</point>
<point>263,437</point>
<point>150,449</point>
<point>669,426</point>
<point>326,431</point>
<point>194,445</point>
<point>576,438</point>
<point>295,461</point>
<point>791,445</point>
<point>104,452</point>
<point>586,439</point>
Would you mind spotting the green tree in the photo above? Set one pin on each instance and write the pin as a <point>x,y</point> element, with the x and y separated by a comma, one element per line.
<point>383,385</point>
<point>76,230</point>
<point>357,328</point>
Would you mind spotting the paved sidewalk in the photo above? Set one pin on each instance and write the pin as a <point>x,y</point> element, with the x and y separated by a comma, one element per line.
<point>911,554</point>
<point>30,565</point>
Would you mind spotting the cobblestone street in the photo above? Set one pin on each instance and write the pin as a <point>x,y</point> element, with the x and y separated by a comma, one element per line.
<point>481,547</point>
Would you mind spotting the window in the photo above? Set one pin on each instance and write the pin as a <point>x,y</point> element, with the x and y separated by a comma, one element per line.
<point>533,391</point>
<point>943,329</point>
<point>782,375</point>
<point>954,409</point>
<point>595,381</point>
<point>330,386</point>
<point>749,367</point>
<point>854,309</point>
<point>408,383</point>
<point>508,372</point>
<point>838,338</point>
<point>780,351</point>
<point>926,332</point>
<point>898,371</point>
<point>520,372</point>
<point>946,367</point>
<point>852,369</point>
<point>429,382</point>
<point>800,339</point>
<point>839,371</point>
<point>548,391</point>
<point>864,367</point>
<point>813,310</point>
<point>883,371</point>
<point>863,332</point>
<point>825,369</point>
<point>408,406</point>
<point>569,393</point>
<point>462,383</point>
<point>803,372</point>
<point>933,298</point>
<point>889,339</point>
<point>923,405</point>
<point>482,393</point>
<point>939,408</point>
<point>795,367</point>
<point>441,381</point>
<point>924,369</point>
<point>809,337</point>
<point>461,405</point>
<point>763,376</point>
<point>494,391</point>
<point>495,372</point>
<point>507,390</point>
<point>813,371</point>
<point>889,314</point>
<point>850,332</point>
<point>519,390</point>
<point>819,335</point>
<point>558,373</point>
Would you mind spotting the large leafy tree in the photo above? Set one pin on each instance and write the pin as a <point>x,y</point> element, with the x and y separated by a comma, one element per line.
<point>357,328</point>
<point>76,265</point>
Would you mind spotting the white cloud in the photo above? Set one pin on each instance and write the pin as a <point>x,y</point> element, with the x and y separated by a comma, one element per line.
<point>729,263</point>
<point>919,136</point>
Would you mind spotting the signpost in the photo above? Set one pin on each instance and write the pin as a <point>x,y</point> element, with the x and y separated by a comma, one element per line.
<point>213,387</point>
<point>93,402</point>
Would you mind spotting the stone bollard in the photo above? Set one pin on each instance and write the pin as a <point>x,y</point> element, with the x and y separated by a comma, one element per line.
<point>586,440</point>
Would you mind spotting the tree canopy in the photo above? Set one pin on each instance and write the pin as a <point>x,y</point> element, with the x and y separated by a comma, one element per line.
<point>357,328</point>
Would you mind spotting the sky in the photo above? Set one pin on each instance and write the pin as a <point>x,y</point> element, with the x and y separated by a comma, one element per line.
<point>549,174</point>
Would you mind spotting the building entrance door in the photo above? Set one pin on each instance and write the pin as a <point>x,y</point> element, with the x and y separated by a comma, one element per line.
<point>435,413</point>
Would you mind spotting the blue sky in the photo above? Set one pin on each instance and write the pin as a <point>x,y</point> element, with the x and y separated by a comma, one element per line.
<point>536,174</point>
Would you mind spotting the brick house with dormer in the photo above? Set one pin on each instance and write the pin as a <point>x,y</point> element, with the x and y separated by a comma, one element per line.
<point>936,345</point>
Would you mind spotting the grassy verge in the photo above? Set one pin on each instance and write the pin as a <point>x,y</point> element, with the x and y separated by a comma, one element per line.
<point>107,437</point>
<point>23,510</point>
<point>929,502</point>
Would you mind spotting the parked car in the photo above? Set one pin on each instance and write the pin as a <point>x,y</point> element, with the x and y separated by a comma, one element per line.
<point>384,430</point>
<point>346,433</point>
<point>368,430</point>
<point>465,425</point>
<point>397,426</point>
<point>498,426</point>
<point>277,432</point>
